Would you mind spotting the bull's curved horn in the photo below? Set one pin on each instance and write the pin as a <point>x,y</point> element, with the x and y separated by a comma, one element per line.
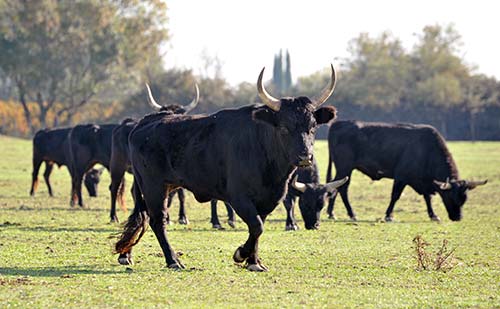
<point>151,100</point>
<point>266,98</point>
<point>443,185</point>
<point>335,184</point>
<point>195,101</point>
<point>473,184</point>
<point>298,185</point>
<point>327,92</point>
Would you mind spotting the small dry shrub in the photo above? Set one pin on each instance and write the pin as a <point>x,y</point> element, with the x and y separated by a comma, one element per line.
<point>443,260</point>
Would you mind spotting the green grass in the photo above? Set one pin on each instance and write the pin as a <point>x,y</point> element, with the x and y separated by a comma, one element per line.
<point>54,256</point>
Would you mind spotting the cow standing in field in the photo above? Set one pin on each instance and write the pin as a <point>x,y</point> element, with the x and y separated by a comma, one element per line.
<point>89,144</point>
<point>120,161</point>
<point>306,187</point>
<point>413,155</point>
<point>51,146</point>
<point>243,156</point>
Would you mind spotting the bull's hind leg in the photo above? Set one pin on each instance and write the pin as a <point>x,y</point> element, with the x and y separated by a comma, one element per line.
<point>117,185</point>
<point>249,250</point>
<point>46,176</point>
<point>34,175</point>
<point>155,194</point>
<point>182,208</point>
<point>397,189</point>
<point>214,217</point>
<point>343,191</point>
<point>430,211</point>
<point>231,218</point>
<point>291,223</point>
<point>135,227</point>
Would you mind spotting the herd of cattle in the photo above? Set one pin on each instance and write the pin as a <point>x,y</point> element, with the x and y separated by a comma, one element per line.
<point>251,158</point>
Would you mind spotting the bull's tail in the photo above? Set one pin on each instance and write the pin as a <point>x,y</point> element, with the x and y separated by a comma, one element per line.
<point>135,227</point>
<point>329,170</point>
<point>120,196</point>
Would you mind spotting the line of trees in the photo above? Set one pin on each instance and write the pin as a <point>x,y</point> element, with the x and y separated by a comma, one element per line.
<point>65,62</point>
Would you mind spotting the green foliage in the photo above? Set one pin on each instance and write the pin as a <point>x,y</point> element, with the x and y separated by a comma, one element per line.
<point>55,256</point>
<point>70,51</point>
<point>377,72</point>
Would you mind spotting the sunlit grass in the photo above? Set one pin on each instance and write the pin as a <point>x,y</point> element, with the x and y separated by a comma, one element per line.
<point>55,256</point>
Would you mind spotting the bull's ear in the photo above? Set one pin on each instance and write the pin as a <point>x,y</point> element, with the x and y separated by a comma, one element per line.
<point>266,115</point>
<point>325,114</point>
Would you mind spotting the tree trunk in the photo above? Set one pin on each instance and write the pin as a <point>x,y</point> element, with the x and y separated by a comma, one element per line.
<point>43,110</point>
<point>27,113</point>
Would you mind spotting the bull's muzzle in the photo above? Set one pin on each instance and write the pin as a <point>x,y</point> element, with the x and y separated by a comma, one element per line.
<point>305,161</point>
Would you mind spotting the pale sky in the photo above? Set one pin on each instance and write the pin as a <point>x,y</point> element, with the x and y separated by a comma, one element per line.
<point>245,35</point>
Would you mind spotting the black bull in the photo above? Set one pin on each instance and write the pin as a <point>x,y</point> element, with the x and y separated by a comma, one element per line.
<point>51,146</point>
<point>89,144</point>
<point>242,156</point>
<point>413,155</point>
<point>120,159</point>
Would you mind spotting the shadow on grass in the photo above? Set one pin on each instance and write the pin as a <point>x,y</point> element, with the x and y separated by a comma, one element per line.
<point>68,229</point>
<point>62,208</point>
<point>54,271</point>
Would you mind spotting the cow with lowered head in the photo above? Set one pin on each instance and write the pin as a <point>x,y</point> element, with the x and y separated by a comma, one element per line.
<point>51,146</point>
<point>412,155</point>
<point>120,162</point>
<point>305,186</point>
<point>243,156</point>
<point>89,144</point>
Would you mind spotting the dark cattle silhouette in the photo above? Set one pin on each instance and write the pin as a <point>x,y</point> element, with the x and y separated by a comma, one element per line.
<point>413,155</point>
<point>51,146</point>
<point>306,187</point>
<point>89,144</point>
<point>243,156</point>
<point>120,162</point>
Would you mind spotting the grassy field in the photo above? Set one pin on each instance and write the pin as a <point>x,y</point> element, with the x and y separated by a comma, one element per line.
<point>55,256</point>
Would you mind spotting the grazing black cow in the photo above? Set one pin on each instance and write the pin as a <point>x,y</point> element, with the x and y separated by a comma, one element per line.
<point>51,146</point>
<point>312,195</point>
<point>120,162</point>
<point>242,156</point>
<point>91,179</point>
<point>413,155</point>
<point>89,144</point>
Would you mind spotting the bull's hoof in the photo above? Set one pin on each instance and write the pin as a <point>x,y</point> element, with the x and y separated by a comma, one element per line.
<point>332,217</point>
<point>237,256</point>
<point>176,266</point>
<point>217,226</point>
<point>257,267</point>
<point>231,223</point>
<point>114,220</point>
<point>291,227</point>
<point>435,218</point>
<point>354,218</point>
<point>125,260</point>
<point>183,221</point>
<point>389,219</point>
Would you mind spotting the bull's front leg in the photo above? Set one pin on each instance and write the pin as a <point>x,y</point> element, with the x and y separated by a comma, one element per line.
<point>249,250</point>
<point>430,211</point>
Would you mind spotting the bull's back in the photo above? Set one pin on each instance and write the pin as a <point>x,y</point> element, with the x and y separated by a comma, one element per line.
<point>50,145</point>
<point>378,149</point>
